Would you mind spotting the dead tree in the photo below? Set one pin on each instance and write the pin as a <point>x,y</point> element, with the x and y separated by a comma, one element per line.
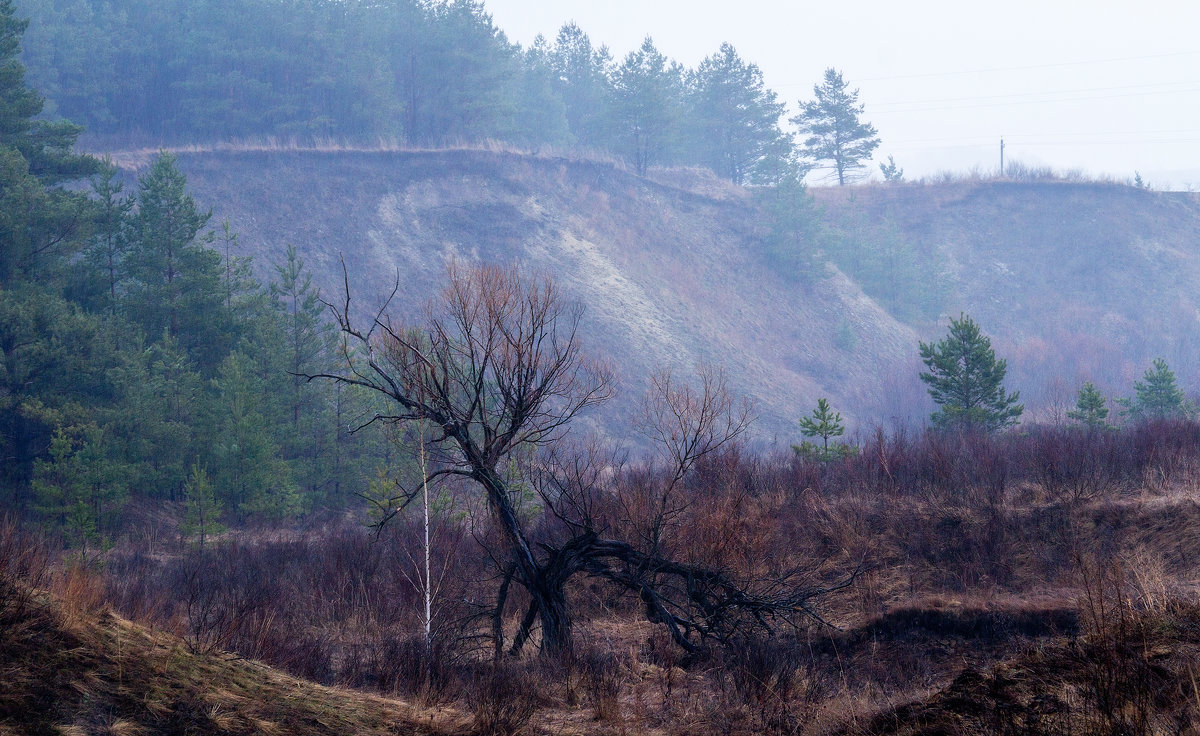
<point>495,366</point>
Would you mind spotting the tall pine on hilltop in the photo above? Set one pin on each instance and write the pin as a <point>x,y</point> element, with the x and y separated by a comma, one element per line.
<point>734,120</point>
<point>835,133</point>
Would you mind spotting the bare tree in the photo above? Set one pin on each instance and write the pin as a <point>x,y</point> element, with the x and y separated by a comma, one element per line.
<point>496,369</point>
<point>624,536</point>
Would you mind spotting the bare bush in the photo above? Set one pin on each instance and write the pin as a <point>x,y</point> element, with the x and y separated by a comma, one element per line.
<point>771,683</point>
<point>504,698</point>
<point>24,567</point>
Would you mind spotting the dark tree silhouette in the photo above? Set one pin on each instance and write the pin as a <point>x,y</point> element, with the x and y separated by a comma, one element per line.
<point>496,368</point>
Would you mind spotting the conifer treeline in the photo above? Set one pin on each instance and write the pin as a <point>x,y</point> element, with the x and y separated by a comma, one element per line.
<point>163,370</point>
<point>138,356</point>
<point>424,72</point>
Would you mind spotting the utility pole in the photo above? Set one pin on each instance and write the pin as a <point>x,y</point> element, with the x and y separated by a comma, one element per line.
<point>1002,157</point>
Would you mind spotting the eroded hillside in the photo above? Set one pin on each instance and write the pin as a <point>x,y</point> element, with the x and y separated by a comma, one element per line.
<point>1075,281</point>
<point>671,276</point>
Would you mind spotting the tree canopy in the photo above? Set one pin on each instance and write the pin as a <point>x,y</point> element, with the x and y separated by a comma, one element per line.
<point>417,72</point>
<point>734,120</point>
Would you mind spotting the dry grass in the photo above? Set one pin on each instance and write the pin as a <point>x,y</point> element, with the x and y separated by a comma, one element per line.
<point>71,665</point>
<point>992,595</point>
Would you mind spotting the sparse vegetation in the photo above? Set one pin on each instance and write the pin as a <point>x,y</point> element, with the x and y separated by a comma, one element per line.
<point>997,568</point>
<point>190,548</point>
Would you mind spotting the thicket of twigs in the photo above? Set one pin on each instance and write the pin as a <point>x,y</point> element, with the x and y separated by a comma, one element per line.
<point>1053,557</point>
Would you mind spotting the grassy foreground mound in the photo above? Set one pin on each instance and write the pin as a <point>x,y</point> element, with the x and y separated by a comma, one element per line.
<point>70,668</point>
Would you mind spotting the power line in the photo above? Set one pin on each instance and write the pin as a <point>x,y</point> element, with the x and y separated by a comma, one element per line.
<point>1027,67</point>
<point>1141,88</point>
<point>982,143</point>
<point>994,70</point>
<point>1037,98</point>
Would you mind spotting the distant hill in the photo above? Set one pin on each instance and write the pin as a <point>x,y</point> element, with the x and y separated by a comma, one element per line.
<point>1072,280</point>
<point>1075,281</point>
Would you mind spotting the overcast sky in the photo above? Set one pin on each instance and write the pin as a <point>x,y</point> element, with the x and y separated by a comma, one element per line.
<point>1107,87</point>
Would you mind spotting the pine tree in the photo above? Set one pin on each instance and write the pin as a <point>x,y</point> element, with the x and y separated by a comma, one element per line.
<point>891,172</point>
<point>176,278</point>
<point>157,417</point>
<point>302,345</point>
<point>244,447</point>
<point>106,250</point>
<point>54,364</point>
<point>836,135</point>
<point>58,494</point>
<point>581,75</point>
<point>648,92</point>
<point>794,235</point>
<point>824,423</point>
<point>47,145</point>
<point>734,120</point>
<point>967,381</point>
<point>541,116</point>
<point>41,223</point>
<point>1090,408</point>
<point>202,507</point>
<point>80,487</point>
<point>1157,395</point>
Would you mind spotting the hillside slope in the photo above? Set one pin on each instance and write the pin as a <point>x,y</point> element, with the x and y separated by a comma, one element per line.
<point>1074,281</point>
<point>671,276</point>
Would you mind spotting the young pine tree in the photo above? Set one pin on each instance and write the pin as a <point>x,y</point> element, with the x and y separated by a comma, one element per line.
<point>157,415</point>
<point>824,423</point>
<point>966,380</point>
<point>81,488</point>
<point>203,508</point>
<point>303,345</point>
<point>1157,395</point>
<point>1090,408</point>
<point>249,467</point>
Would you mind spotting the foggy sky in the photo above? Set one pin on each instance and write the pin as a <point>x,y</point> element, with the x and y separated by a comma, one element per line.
<point>1107,87</point>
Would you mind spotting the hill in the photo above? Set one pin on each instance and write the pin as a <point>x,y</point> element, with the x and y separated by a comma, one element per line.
<point>72,667</point>
<point>671,275</point>
<point>1074,281</point>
